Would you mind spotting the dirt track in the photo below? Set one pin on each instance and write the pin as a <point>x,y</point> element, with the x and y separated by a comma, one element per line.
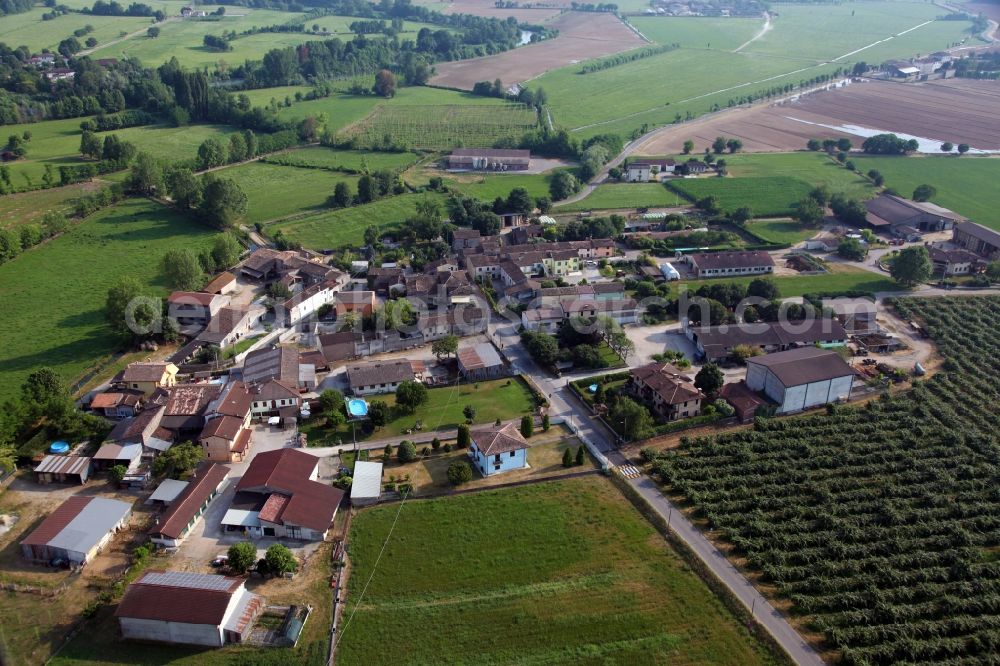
<point>918,109</point>
<point>581,36</point>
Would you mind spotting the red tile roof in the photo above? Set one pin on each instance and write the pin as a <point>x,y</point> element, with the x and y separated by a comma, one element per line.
<point>56,521</point>
<point>179,597</point>
<point>280,470</point>
<point>498,439</point>
<point>202,483</point>
<point>226,427</point>
<point>310,504</point>
<point>191,297</point>
<point>222,281</point>
<point>273,508</point>
<point>242,441</point>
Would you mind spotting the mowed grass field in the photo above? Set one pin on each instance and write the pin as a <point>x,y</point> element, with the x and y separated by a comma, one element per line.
<point>28,28</point>
<point>767,196</point>
<point>57,142</point>
<point>275,192</point>
<point>343,109</point>
<point>781,231</point>
<point>52,296</point>
<point>338,228</point>
<point>563,572</point>
<point>623,98</point>
<point>966,185</point>
<point>626,195</point>
<point>488,187</point>
<point>184,39</point>
<point>697,32</point>
<point>354,160</point>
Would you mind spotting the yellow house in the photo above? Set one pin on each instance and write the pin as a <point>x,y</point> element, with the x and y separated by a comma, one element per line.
<point>147,376</point>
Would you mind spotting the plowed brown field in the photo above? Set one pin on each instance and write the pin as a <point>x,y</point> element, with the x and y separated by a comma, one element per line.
<point>582,35</point>
<point>956,110</point>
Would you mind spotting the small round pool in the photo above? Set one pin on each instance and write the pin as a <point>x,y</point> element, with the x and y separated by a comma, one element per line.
<point>357,407</point>
<point>59,447</point>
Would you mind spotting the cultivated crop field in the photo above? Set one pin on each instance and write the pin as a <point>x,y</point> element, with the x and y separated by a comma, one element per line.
<point>880,524</point>
<point>338,228</point>
<point>275,192</point>
<point>53,294</point>
<point>17,209</point>
<point>781,231</point>
<point>966,185</point>
<point>696,32</point>
<point>767,196</point>
<point>442,127</point>
<point>626,195</point>
<point>585,581</point>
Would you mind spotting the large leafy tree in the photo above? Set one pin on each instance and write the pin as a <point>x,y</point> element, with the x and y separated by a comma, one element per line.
<point>183,270</point>
<point>631,419</point>
<point>410,395</point>
<point>129,311</point>
<point>911,266</point>
<point>223,203</point>
<point>709,379</point>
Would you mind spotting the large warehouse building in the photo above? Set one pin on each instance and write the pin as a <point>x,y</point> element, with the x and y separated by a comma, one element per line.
<point>77,530</point>
<point>188,608</point>
<point>801,378</point>
<point>489,159</point>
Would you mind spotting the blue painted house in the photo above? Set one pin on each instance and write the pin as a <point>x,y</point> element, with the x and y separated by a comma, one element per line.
<point>498,449</point>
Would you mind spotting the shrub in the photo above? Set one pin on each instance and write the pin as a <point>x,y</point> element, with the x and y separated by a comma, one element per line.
<point>242,555</point>
<point>279,559</point>
<point>527,426</point>
<point>407,452</point>
<point>567,460</point>
<point>459,472</point>
<point>464,436</point>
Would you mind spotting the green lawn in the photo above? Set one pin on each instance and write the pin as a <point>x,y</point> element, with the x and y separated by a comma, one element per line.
<point>802,43</point>
<point>782,231</point>
<point>337,228</point>
<point>967,185</point>
<point>354,160</point>
<point>840,279</point>
<point>626,195</point>
<point>275,192</point>
<point>767,197</point>
<point>813,168</point>
<point>52,296</point>
<point>563,572</point>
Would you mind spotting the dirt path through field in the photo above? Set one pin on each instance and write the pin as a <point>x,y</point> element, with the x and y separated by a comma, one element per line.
<point>136,33</point>
<point>763,31</point>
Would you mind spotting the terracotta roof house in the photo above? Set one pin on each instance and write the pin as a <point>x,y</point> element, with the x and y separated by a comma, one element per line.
<point>743,400</point>
<point>801,378</point>
<point>361,302</point>
<point>176,523</point>
<point>230,324</point>
<point>955,262</point>
<point>146,376</point>
<point>188,608</point>
<point>340,346</point>
<point>185,407</point>
<point>223,283</point>
<point>117,405</point>
<point>275,397</point>
<point>194,309</point>
<point>226,439</point>
<point>143,429</point>
<point>670,392</point>
<point>77,530</point>
<point>381,377</point>
<point>290,502</point>
<point>498,449</point>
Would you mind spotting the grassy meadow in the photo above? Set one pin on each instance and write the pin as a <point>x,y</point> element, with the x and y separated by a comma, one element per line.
<point>337,228</point>
<point>57,143</point>
<point>766,196</point>
<point>781,231</point>
<point>28,28</point>
<point>805,41</point>
<point>585,581</point>
<point>52,296</point>
<point>353,160</point>
<point>17,209</point>
<point>487,186</point>
<point>840,278</point>
<point>626,195</point>
<point>275,192</point>
<point>967,185</point>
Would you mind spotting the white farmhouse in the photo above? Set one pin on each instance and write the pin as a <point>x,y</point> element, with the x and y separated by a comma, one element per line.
<point>801,378</point>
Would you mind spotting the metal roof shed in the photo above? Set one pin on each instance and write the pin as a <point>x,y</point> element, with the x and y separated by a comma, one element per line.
<point>366,488</point>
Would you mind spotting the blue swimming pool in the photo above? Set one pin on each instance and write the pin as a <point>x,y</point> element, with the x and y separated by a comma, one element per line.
<point>59,447</point>
<point>357,407</point>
